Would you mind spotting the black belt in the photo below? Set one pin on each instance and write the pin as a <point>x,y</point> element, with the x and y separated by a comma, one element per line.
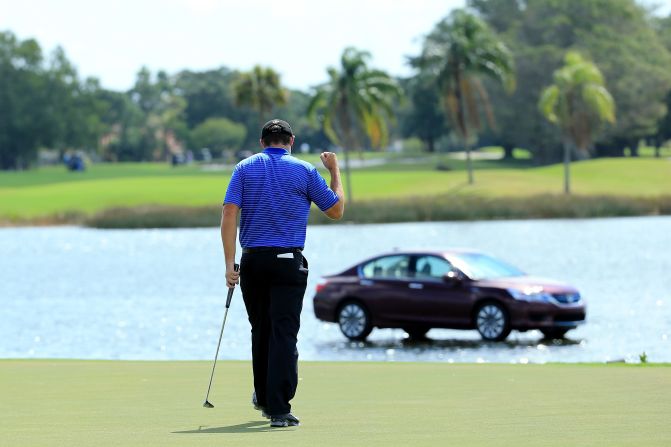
<point>272,249</point>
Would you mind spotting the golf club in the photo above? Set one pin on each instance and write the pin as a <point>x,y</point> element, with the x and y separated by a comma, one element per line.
<point>207,403</point>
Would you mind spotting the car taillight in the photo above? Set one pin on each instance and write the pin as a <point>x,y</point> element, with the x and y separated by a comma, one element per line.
<point>321,286</point>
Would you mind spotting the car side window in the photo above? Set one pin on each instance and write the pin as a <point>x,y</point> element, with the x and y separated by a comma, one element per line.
<point>431,267</point>
<point>389,267</point>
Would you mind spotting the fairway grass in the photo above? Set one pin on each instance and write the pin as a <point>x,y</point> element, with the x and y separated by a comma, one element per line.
<point>52,191</point>
<point>114,403</point>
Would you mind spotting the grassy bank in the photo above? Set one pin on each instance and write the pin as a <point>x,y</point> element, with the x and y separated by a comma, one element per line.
<point>52,195</point>
<point>55,403</point>
<point>416,209</point>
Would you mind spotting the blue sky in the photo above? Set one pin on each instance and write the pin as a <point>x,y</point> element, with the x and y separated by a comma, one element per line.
<point>112,39</point>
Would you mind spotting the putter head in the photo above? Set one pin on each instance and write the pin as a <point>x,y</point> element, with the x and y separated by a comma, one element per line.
<point>207,404</point>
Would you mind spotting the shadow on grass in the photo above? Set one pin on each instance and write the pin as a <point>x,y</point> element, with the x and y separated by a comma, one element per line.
<point>247,427</point>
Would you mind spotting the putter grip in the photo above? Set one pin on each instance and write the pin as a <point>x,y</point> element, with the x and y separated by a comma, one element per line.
<point>236,267</point>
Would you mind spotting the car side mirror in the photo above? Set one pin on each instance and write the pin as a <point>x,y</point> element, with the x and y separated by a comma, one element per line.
<point>453,277</point>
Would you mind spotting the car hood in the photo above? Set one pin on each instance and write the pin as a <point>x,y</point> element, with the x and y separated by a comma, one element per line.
<point>524,282</point>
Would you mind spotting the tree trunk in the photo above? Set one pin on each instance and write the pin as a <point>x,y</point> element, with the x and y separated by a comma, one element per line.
<point>431,145</point>
<point>508,152</point>
<point>346,128</point>
<point>567,167</point>
<point>469,164</point>
<point>348,177</point>
<point>461,123</point>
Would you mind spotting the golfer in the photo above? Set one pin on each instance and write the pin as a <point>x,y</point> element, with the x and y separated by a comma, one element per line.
<point>273,191</point>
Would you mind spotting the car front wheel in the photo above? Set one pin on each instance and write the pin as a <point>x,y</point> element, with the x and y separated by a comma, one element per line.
<point>354,321</point>
<point>492,322</point>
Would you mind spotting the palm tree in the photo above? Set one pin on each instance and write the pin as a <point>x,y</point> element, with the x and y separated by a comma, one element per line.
<point>577,103</point>
<point>356,100</point>
<point>457,53</point>
<point>261,90</point>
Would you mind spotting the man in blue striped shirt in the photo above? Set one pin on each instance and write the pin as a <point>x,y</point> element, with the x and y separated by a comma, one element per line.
<point>273,191</point>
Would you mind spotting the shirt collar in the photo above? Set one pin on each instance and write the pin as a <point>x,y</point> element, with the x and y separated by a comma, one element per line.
<point>275,150</point>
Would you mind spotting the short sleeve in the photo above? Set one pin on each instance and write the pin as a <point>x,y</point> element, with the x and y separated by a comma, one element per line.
<point>234,191</point>
<point>319,192</point>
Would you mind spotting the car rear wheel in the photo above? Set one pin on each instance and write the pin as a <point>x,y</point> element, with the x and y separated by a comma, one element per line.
<point>492,321</point>
<point>354,321</point>
<point>554,333</point>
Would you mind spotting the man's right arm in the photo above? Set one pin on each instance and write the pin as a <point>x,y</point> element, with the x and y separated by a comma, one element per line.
<point>330,162</point>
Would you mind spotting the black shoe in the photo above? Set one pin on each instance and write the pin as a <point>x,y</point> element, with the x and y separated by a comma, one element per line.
<point>286,420</point>
<point>261,408</point>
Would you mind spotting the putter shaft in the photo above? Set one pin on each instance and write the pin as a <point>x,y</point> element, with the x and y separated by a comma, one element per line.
<point>207,403</point>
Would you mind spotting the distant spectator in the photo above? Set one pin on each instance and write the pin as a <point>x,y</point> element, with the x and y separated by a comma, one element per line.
<point>74,162</point>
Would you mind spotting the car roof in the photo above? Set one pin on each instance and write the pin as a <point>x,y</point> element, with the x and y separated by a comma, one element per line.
<point>439,253</point>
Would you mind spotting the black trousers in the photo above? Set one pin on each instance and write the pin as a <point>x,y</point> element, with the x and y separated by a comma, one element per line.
<point>273,283</point>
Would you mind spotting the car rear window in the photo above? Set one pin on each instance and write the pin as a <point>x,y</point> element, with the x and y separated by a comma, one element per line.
<point>392,267</point>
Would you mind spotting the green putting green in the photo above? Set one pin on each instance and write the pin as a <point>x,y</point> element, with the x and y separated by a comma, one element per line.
<point>115,403</point>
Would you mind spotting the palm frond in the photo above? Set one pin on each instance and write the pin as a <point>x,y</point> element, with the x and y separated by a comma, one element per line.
<point>601,101</point>
<point>548,103</point>
<point>485,103</point>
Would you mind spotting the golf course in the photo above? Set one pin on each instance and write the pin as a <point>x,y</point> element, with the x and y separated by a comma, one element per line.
<point>446,223</point>
<point>114,403</point>
<point>52,194</point>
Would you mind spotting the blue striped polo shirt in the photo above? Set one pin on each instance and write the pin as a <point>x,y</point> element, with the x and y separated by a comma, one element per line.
<point>274,191</point>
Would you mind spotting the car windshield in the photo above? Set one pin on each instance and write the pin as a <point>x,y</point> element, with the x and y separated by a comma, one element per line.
<point>480,266</point>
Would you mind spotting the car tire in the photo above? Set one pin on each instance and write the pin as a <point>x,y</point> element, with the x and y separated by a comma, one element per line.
<point>354,320</point>
<point>492,321</point>
<point>416,333</point>
<point>554,333</point>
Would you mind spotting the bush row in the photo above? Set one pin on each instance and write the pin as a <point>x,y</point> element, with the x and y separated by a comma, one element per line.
<point>417,209</point>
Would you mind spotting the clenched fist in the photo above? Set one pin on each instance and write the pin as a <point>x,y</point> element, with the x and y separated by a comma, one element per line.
<point>330,160</point>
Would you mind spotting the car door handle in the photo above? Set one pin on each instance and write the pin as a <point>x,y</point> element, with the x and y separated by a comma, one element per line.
<point>416,285</point>
<point>366,282</point>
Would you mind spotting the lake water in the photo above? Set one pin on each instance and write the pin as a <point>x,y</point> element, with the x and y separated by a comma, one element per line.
<point>159,294</point>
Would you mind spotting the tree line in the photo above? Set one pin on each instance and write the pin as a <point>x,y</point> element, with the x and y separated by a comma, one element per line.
<point>490,74</point>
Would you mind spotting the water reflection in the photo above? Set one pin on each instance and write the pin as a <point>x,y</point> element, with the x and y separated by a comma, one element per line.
<point>407,348</point>
<point>159,294</point>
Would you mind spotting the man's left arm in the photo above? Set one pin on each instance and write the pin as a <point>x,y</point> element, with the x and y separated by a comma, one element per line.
<point>229,233</point>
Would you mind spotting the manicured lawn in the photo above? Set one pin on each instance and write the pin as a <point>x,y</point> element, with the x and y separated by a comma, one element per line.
<point>110,403</point>
<point>49,191</point>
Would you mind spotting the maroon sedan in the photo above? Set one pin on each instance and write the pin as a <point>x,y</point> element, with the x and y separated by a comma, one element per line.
<point>455,289</point>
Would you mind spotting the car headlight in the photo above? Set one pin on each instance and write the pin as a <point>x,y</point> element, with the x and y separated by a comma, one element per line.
<point>535,294</point>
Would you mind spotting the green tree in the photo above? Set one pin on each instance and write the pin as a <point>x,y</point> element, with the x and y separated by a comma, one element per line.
<point>43,103</point>
<point>261,90</point>
<point>218,135</point>
<point>208,94</point>
<point>618,35</point>
<point>72,107</point>
<point>305,129</point>
<point>164,129</point>
<point>459,51</point>
<point>422,116</point>
<point>663,28</point>
<point>22,101</point>
<point>577,102</point>
<point>356,101</point>
<point>125,140</point>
